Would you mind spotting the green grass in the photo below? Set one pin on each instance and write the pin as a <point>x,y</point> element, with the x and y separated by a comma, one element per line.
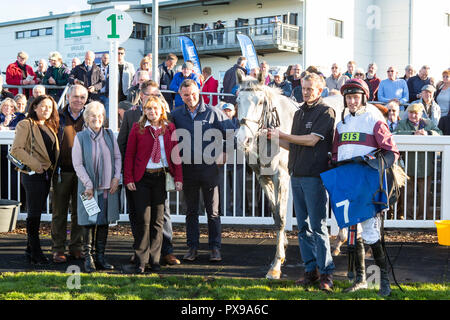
<point>101,286</point>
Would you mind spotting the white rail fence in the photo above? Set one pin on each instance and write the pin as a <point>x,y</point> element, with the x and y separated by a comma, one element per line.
<point>419,207</point>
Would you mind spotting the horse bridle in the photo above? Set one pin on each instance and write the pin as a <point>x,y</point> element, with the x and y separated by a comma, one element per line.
<point>269,117</point>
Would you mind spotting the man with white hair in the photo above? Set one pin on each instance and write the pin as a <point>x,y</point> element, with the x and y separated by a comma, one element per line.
<point>336,80</point>
<point>89,75</point>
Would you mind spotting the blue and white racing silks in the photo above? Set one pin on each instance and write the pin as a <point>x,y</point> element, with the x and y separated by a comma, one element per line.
<point>351,188</point>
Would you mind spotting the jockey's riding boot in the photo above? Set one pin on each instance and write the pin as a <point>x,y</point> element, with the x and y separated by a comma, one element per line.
<point>100,246</point>
<point>380,261</point>
<point>89,265</point>
<point>360,268</point>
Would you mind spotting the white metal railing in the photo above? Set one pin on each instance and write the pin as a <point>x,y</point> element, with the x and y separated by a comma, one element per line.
<point>60,102</point>
<point>276,33</point>
<point>254,209</point>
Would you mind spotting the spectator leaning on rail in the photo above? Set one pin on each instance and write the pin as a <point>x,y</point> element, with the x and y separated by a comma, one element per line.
<point>126,74</point>
<point>393,88</point>
<point>366,122</point>
<point>97,163</point>
<point>200,172</point>
<point>4,93</point>
<point>133,92</point>
<point>393,117</point>
<point>65,182</point>
<point>36,145</point>
<point>373,82</point>
<point>89,75</point>
<point>336,80</point>
<point>57,75</point>
<point>264,67</point>
<point>309,143</point>
<point>443,92</point>
<point>230,81</point>
<point>209,85</point>
<point>144,65</point>
<point>151,152</point>
<point>9,118</point>
<point>186,73</point>
<point>351,65</point>
<point>416,124</point>
<point>431,109</point>
<point>285,86</point>
<point>41,70</point>
<point>166,74</point>
<point>417,82</point>
<point>38,90</point>
<point>21,101</point>
<point>409,72</point>
<point>20,74</point>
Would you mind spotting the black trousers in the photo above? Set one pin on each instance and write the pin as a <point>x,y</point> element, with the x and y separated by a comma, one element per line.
<point>36,187</point>
<point>206,179</point>
<point>149,199</point>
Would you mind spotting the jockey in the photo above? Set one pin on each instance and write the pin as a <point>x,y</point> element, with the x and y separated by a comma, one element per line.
<point>368,132</point>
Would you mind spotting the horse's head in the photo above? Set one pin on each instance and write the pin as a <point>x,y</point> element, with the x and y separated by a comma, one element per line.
<point>250,100</point>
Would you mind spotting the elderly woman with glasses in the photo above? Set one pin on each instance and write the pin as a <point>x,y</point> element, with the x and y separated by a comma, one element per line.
<point>148,159</point>
<point>97,163</point>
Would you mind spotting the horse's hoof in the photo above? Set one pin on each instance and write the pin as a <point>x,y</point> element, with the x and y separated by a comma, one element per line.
<point>273,275</point>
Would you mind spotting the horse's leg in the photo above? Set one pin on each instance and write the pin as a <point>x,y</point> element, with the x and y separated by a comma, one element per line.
<point>279,214</point>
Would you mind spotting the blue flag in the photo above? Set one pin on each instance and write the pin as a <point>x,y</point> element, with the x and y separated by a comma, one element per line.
<point>351,188</point>
<point>190,53</point>
<point>248,50</point>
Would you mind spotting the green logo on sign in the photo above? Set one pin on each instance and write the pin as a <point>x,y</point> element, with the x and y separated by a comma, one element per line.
<point>78,29</point>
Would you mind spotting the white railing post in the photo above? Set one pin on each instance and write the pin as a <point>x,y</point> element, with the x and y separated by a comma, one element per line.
<point>445,183</point>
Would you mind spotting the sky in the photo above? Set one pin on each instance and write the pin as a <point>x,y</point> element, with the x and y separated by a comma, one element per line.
<point>23,9</point>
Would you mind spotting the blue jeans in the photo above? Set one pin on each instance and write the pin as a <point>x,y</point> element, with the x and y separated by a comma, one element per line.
<point>310,209</point>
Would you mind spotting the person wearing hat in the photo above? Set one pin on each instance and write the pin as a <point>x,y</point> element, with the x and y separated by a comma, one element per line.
<point>368,130</point>
<point>431,109</point>
<point>226,207</point>
<point>187,72</point>
<point>417,124</point>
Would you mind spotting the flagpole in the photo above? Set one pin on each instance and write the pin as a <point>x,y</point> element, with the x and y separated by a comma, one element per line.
<point>155,37</point>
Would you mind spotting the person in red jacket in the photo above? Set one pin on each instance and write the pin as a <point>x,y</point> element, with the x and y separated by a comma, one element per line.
<point>147,159</point>
<point>19,73</point>
<point>209,85</point>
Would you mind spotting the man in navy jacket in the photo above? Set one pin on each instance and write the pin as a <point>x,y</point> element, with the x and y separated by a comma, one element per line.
<point>199,127</point>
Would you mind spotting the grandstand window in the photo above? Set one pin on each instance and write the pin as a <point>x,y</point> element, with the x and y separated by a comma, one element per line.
<point>34,33</point>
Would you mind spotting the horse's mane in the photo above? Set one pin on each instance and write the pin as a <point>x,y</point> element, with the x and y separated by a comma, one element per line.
<point>251,84</point>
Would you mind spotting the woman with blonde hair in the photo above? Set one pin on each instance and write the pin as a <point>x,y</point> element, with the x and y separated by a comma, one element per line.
<point>97,163</point>
<point>36,145</point>
<point>144,65</point>
<point>148,158</point>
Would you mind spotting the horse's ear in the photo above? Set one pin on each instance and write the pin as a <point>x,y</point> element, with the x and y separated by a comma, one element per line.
<point>261,79</point>
<point>239,76</point>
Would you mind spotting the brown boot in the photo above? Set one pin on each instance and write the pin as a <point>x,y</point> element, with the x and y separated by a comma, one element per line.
<point>326,282</point>
<point>309,278</point>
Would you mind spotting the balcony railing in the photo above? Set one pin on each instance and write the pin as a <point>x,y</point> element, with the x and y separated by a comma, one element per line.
<point>273,36</point>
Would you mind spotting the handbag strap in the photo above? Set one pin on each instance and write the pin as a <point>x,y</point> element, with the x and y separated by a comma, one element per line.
<point>32,137</point>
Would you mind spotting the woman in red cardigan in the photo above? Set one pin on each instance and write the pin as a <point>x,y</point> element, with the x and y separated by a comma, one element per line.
<point>147,158</point>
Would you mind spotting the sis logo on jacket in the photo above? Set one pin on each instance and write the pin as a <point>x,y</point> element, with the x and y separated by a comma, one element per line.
<point>353,189</point>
